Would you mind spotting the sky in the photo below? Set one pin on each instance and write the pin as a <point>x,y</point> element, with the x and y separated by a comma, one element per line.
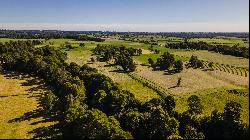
<point>127,15</point>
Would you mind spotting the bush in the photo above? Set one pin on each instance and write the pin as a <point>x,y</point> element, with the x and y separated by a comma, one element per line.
<point>194,105</point>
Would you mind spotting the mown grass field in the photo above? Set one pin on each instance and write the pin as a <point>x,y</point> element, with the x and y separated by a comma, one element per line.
<point>20,110</point>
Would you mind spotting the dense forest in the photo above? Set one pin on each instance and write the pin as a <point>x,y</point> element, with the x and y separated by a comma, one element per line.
<point>91,105</point>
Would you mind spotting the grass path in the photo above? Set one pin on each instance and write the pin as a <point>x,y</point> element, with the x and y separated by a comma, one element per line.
<point>21,113</point>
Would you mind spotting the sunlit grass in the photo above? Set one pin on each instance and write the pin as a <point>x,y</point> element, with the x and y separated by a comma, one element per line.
<point>17,99</point>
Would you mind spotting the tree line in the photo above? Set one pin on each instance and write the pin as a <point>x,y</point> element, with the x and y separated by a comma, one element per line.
<point>91,105</point>
<point>223,49</point>
<point>62,34</point>
<point>47,35</point>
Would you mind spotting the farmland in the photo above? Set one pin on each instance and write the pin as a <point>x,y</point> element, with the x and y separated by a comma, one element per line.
<point>193,80</point>
<point>226,80</point>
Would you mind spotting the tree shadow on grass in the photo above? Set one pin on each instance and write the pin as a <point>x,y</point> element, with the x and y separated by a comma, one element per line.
<point>118,71</point>
<point>173,87</point>
<point>14,75</point>
<point>148,65</point>
<point>170,72</point>
<point>50,132</point>
<point>109,65</point>
<point>207,70</point>
<point>43,132</point>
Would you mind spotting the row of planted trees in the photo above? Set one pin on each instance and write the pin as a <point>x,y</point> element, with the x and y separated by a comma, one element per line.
<point>90,105</point>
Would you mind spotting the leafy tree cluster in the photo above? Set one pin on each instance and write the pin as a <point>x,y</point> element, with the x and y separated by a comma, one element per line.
<point>165,62</point>
<point>194,62</point>
<point>235,50</point>
<point>121,55</point>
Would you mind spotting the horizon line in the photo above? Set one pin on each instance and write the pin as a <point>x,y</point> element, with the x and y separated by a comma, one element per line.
<point>126,31</point>
<point>160,27</point>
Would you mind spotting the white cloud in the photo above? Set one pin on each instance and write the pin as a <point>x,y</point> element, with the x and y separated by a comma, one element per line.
<point>161,27</point>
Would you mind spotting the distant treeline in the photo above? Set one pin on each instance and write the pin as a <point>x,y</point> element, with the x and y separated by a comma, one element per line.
<point>91,105</point>
<point>223,49</point>
<point>68,34</point>
<point>46,35</point>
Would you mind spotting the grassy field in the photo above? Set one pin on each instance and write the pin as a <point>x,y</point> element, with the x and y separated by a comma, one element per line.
<point>219,40</point>
<point>192,79</point>
<point>217,58</point>
<point>144,58</point>
<point>21,115</point>
<point>223,41</point>
<point>216,98</point>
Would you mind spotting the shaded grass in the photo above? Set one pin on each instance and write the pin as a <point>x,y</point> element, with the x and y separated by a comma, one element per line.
<point>21,107</point>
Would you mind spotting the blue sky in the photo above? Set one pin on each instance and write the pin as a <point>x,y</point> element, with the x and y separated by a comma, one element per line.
<point>124,15</point>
